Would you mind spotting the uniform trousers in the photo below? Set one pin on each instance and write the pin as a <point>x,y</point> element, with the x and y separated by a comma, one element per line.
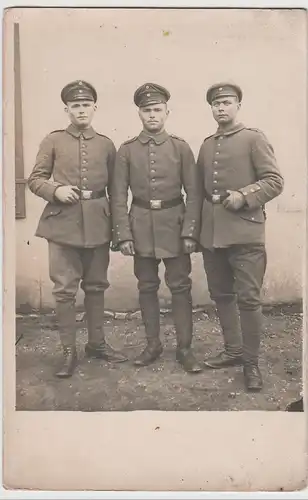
<point>70,267</point>
<point>177,271</point>
<point>235,276</point>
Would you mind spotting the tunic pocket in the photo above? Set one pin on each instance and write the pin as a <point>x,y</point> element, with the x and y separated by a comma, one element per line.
<point>51,211</point>
<point>257,216</point>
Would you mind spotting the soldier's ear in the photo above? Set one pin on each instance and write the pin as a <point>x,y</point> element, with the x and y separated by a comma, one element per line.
<point>95,107</point>
<point>66,109</point>
<point>239,105</point>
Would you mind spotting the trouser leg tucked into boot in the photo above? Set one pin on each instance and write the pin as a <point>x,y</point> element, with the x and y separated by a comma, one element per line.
<point>149,306</point>
<point>97,347</point>
<point>182,317</point>
<point>231,330</point>
<point>251,322</point>
<point>66,317</point>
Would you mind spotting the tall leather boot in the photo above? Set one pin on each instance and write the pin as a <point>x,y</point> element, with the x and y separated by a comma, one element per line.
<point>251,322</point>
<point>183,322</point>
<point>149,306</point>
<point>97,347</point>
<point>66,316</point>
<point>231,330</point>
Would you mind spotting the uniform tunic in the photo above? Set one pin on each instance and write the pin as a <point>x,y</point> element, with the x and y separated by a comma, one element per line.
<point>155,168</point>
<point>240,159</point>
<point>84,159</point>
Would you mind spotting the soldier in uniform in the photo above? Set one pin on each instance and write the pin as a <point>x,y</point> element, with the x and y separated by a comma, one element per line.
<point>159,227</point>
<point>238,175</point>
<point>76,221</point>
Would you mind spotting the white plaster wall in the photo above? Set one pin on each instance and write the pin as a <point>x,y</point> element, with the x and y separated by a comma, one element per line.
<point>186,51</point>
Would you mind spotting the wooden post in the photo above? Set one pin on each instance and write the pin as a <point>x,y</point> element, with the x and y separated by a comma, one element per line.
<point>20,182</point>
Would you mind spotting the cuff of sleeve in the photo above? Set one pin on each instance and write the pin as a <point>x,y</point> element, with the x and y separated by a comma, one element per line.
<point>250,194</point>
<point>190,232</point>
<point>121,236</point>
<point>49,189</point>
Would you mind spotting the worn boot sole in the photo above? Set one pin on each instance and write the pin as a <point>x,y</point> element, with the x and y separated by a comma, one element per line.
<point>149,361</point>
<point>195,369</point>
<point>69,373</point>
<point>96,354</point>
<point>255,386</point>
<point>224,364</point>
<point>189,365</point>
<point>253,389</point>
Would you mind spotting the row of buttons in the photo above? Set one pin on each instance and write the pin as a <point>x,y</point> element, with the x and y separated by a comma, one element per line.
<point>152,169</point>
<point>216,163</point>
<point>84,161</point>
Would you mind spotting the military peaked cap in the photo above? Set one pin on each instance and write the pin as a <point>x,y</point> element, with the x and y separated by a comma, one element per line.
<point>77,91</point>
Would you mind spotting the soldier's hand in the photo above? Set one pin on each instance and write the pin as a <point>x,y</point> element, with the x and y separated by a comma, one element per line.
<point>190,245</point>
<point>127,248</point>
<point>67,194</point>
<point>235,200</point>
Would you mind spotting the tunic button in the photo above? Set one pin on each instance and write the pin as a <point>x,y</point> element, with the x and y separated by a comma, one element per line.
<point>152,161</point>
<point>84,169</point>
<point>215,190</point>
<point>215,173</point>
<point>217,152</point>
<point>153,170</point>
<point>84,161</point>
<point>85,179</point>
<point>215,182</point>
<point>221,137</point>
<point>153,180</point>
<point>83,153</point>
<point>151,144</point>
<point>215,162</point>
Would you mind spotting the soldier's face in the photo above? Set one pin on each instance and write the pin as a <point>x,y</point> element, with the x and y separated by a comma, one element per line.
<point>225,109</point>
<point>81,112</point>
<point>153,117</point>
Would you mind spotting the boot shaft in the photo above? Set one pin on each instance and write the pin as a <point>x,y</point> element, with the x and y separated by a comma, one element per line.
<point>229,320</point>
<point>182,317</point>
<point>94,307</point>
<point>150,313</point>
<point>252,326</point>
<point>66,317</point>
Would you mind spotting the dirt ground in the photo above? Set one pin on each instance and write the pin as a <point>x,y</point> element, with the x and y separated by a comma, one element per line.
<point>100,386</point>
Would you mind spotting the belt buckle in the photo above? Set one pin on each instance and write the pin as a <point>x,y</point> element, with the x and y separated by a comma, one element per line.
<point>155,204</point>
<point>216,198</point>
<point>86,194</point>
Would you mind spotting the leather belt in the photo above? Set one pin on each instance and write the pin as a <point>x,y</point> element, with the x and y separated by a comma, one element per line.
<point>157,204</point>
<point>216,198</point>
<point>87,194</point>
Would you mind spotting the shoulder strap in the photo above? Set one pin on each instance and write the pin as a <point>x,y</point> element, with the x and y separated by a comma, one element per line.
<point>177,137</point>
<point>132,139</point>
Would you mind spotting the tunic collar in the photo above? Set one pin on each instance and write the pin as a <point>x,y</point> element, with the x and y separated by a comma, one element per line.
<point>87,133</point>
<point>232,130</point>
<point>144,137</point>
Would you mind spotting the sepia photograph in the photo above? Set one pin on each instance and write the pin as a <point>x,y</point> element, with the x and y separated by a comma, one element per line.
<point>159,221</point>
<point>160,204</point>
